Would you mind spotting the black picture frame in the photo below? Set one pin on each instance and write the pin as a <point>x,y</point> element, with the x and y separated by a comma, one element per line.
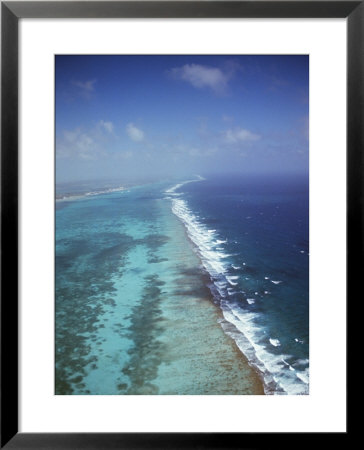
<point>11,12</point>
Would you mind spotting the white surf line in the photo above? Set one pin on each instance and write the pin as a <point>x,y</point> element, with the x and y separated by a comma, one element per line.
<point>178,185</point>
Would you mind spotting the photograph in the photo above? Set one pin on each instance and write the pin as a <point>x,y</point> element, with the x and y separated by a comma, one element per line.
<point>181,224</point>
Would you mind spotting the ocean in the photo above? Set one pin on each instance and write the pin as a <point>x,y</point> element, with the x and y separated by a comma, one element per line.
<point>198,286</point>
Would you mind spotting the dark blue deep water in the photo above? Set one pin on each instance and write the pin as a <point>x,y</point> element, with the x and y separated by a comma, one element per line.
<point>252,235</point>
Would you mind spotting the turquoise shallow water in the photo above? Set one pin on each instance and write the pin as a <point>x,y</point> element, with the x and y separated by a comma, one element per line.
<point>133,311</point>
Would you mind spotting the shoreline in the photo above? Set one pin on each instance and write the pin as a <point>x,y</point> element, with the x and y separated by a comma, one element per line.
<point>74,196</point>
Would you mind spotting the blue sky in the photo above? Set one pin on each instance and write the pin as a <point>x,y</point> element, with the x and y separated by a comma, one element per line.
<point>140,117</point>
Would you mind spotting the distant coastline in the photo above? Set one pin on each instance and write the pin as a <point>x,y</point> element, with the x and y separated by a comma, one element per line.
<point>75,195</point>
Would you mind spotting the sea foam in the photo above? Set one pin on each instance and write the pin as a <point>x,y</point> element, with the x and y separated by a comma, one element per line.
<point>239,323</point>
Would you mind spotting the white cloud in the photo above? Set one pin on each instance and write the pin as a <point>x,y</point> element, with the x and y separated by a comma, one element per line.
<point>84,143</point>
<point>108,126</point>
<point>91,143</point>
<point>87,86</point>
<point>135,134</point>
<point>71,136</point>
<point>236,135</point>
<point>203,76</point>
<point>79,140</point>
<point>76,143</point>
